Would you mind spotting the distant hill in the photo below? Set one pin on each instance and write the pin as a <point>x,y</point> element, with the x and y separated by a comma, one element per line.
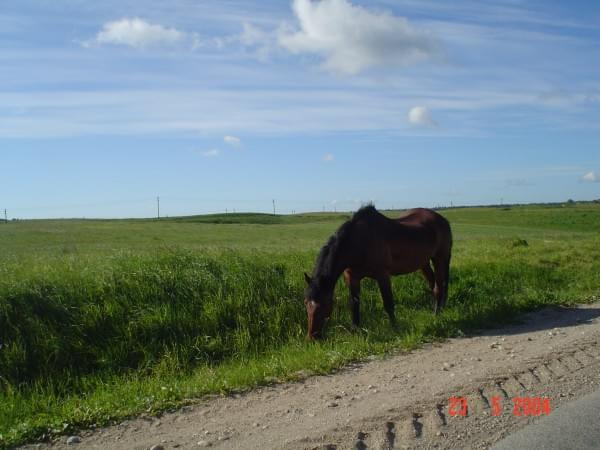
<point>260,218</point>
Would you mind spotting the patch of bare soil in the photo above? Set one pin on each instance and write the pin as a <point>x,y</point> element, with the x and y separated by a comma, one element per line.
<point>402,401</point>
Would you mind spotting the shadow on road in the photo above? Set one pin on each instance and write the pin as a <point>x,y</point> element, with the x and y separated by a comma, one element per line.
<point>547,319</point>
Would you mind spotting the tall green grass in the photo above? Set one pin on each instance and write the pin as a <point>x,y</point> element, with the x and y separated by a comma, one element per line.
<point>90,337</point>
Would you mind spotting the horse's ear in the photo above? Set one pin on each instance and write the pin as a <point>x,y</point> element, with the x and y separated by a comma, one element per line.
<point>307,278</point>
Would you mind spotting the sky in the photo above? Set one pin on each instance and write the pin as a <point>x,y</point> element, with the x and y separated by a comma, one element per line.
<point>233,105</point>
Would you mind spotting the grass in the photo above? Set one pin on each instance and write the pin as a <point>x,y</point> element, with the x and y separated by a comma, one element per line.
<point>102,320</point>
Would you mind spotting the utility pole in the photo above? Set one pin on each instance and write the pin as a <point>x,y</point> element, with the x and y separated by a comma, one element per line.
<point>158,208</point>
<point>273,206</point>
<point>5,216</point>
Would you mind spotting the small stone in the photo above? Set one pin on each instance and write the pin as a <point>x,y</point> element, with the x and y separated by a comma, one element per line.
<point>204,444</point>
<point>157,447</point>
<point>332,405</point>
<point>73,440</point>
<point>255,424</point>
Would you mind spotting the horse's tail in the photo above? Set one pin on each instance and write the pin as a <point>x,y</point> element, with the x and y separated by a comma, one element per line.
<point>447,262</point>
<point>444,254</point>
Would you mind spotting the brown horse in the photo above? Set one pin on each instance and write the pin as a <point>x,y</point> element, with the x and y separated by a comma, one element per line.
<point>375,246</point>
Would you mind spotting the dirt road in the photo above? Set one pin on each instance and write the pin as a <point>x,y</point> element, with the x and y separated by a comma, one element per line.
<point>402,401</point>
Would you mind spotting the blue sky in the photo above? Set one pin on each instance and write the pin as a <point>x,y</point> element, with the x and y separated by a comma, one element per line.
<point>217,105</point>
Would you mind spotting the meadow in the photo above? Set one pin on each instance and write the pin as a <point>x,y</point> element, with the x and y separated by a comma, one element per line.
<point>105,319</point>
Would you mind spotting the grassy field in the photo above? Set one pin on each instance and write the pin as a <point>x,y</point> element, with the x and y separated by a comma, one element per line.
<point>101,319</point>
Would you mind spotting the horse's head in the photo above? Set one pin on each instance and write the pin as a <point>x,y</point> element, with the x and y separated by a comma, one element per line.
<point>318,302</point>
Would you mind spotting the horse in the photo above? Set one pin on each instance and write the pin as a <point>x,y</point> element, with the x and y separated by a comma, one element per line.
<point>371,245</point>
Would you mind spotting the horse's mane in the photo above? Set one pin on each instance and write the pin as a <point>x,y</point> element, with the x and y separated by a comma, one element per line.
<point>325,265</point>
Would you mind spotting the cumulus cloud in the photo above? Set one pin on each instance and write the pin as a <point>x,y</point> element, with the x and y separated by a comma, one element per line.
<point>211,153</point>
<point>352,38</point>
<point>136,33</point>
<point>591,177</point>
<point>420,116</point>
<point>328,157</point>
<point>233,141</point>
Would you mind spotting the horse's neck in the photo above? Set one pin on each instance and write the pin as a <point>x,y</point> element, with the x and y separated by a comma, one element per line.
<point>339,264</point>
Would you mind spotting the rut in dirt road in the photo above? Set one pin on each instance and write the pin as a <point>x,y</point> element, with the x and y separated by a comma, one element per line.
<point>430,425</point>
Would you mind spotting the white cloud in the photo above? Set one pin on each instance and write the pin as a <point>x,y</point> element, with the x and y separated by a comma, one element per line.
<point>352,38</point>
<point>328,157</point>
<point>591,177</point>
<point>136,33</point>
<point>264,42</point>
<point>233,141</point>
<point>420,115</point>
<point>252,35</point>
<point>211,153</point>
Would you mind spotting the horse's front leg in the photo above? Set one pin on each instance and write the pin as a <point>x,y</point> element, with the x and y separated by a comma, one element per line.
<point>353,284</point>
<point>385,286</point>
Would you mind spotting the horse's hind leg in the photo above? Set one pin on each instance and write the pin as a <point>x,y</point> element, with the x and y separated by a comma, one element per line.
<point>385,286</point>
<point>354,298</point>
<point>429,276</point>
<point>427,272</point>
<point>441,266</point>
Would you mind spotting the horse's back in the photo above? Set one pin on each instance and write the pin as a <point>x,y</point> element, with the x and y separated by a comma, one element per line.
<point>420,216</point>
<point>428,222</point>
